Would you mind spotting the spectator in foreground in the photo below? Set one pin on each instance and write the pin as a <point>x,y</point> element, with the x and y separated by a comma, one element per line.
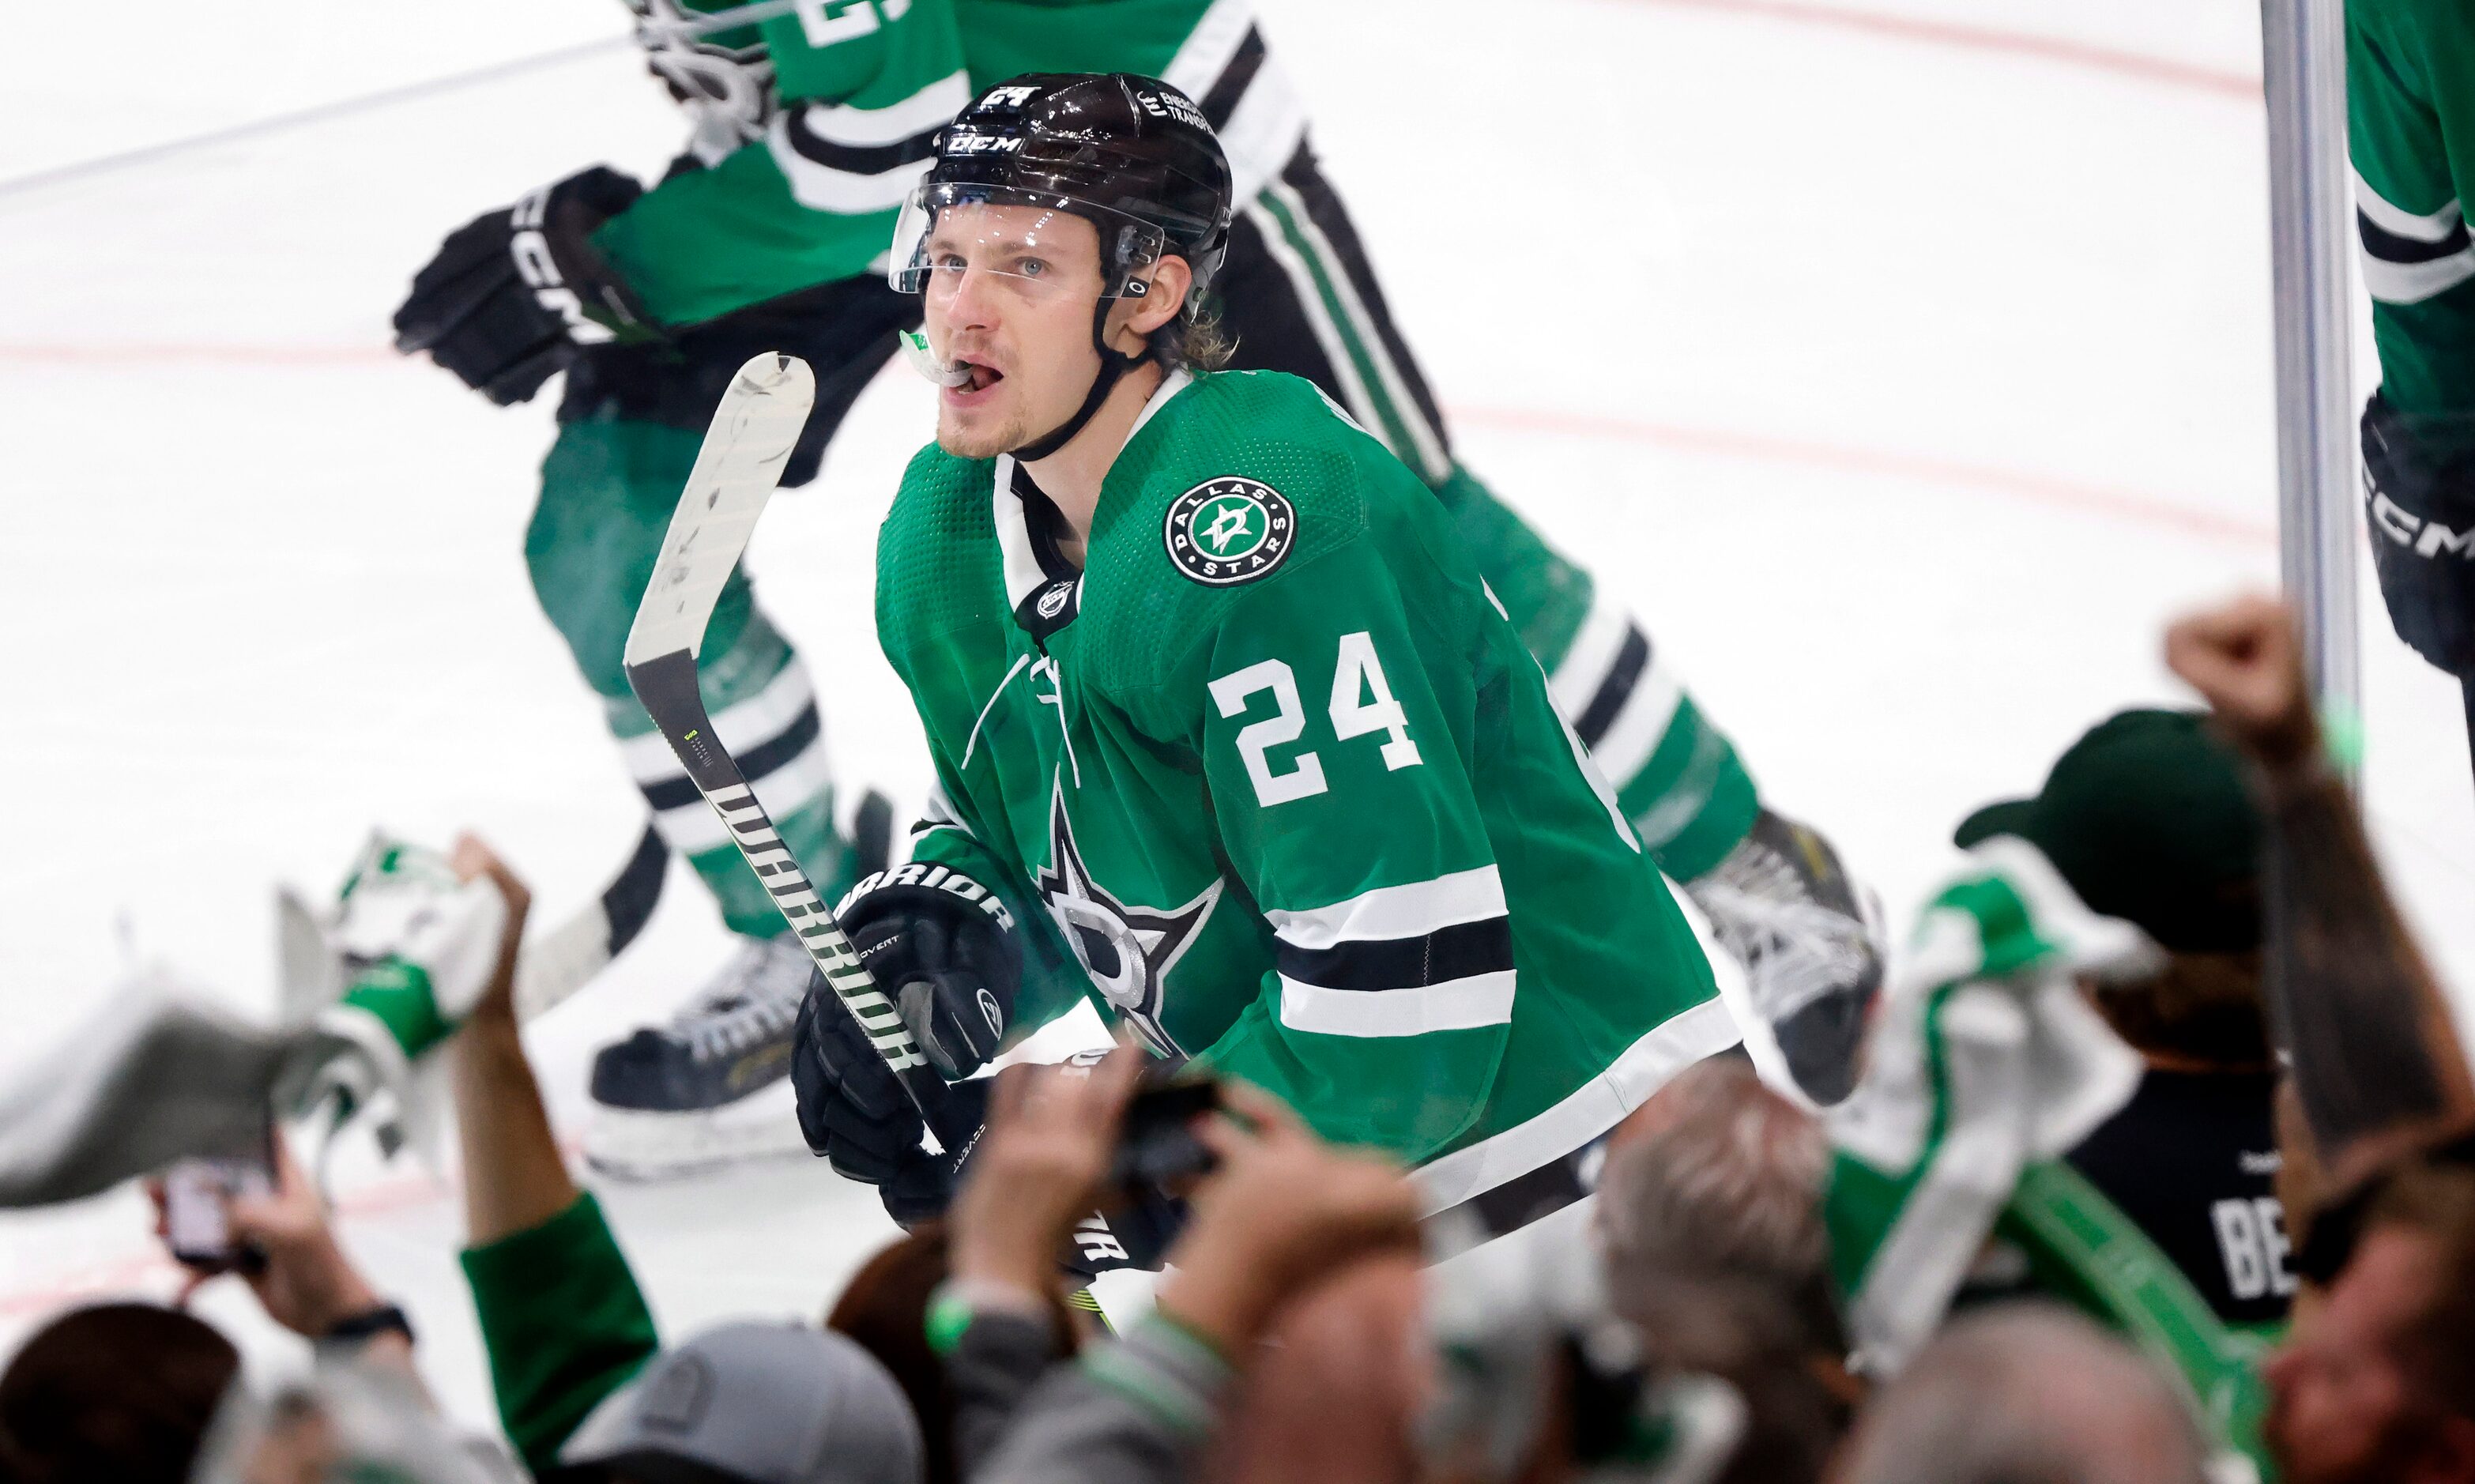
<point>1709,1223</point>
<point>1717,1179</point>
<point>2148,818</point>
<point>2379,1374</point>
<point>885,1307</point>
<point>364,1412</point>
<point>582,1385</point>
<point>112,1391</point>
<point>2020,1393</point>
<point>1342,1401</point>
<point>2375,1062</point>
<point>2378,1384</point>
<point>2377,1381</point>
<point>137,1392</point>
<point>1280,1211</point>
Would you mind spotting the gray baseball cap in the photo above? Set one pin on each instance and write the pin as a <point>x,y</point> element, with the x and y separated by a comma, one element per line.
<point>757,1404</point>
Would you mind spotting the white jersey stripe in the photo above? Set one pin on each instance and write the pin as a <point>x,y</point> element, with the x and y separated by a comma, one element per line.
<point>750,723</point>
<point>822,187</point>
<point>1206,51</point>
<point>1336,351</point>
<point>1588,1111</point>
<point>1668,816</point>
<point>1270,118</point>
<point>1023,574</point>
<point>2400,221</point>
<point>1600,787</point>
<point>1590,657</point>
<point>932,107</point>
<point>1429,453</point>
<point>1455,1005</point>
<point>1634,734</point>
<point>1411,911</point>
<point>692,829</point>
<point>1264,130</point>
<point>2407,283</point>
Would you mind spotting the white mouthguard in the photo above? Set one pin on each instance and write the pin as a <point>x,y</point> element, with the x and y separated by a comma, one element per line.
<point>923,360</point>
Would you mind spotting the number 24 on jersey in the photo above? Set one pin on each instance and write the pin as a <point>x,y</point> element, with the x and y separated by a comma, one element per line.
<point>1361,702</point>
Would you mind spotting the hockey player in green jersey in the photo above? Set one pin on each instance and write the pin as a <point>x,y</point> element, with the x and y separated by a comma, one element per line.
<point>810,129</point>
<point>1227,723</point>
<point>2410,132</point>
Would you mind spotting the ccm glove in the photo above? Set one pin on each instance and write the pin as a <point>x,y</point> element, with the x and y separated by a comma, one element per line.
<point>2421,499</point>
<point>515,293</point>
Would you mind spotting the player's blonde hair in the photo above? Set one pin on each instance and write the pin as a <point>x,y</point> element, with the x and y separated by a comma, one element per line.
<point>1196,340</point>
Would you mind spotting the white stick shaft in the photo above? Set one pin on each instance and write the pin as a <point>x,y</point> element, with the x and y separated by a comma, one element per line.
<point>750,440</point>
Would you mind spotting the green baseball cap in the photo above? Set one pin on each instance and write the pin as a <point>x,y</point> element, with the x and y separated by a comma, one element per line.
<point>2148,818</point>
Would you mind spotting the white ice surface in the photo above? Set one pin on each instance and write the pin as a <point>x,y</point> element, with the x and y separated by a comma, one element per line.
<point>1907,367</point>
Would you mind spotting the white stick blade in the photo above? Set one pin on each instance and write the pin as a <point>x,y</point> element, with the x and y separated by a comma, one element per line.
<point>736,470</point>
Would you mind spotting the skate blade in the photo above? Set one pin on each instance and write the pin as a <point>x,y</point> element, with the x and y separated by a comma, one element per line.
<point>641,1147</point>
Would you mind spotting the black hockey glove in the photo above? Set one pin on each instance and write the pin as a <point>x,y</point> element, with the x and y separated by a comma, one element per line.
<point>943,948</point>
<point>513,294</point>
<point>2420,501</point>
<point>855,1114</point>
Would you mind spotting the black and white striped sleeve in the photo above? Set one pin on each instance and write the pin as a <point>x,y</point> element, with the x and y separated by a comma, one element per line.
<point>853,160</point>
<point>1402,961</point>
<point>2409,257</point>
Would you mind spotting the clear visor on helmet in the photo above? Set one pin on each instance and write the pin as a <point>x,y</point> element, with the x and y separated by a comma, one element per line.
<point>1026,243</point>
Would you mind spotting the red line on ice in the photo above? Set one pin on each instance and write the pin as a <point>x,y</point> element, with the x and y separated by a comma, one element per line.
<point>2039,489</point>
<point>2036,489</point>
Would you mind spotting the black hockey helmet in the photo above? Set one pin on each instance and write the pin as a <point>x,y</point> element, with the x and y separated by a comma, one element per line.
<point>1131,154</point>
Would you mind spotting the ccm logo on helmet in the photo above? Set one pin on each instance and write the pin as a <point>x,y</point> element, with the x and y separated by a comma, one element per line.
<point>540,271</point>
<point>983,144</point>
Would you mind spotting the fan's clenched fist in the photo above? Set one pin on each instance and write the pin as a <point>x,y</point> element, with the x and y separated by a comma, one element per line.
<point>2246,660</point>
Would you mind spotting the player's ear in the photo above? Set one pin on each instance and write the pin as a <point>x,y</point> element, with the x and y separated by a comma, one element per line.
<point>1171,277</point>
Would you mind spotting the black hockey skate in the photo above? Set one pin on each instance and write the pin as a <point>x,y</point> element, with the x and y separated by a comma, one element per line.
<point>712,1087</point>
<point>1784,907</point>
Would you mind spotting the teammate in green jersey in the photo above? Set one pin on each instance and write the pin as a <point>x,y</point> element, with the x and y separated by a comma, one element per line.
<point>2410,132</point>
<point>810,129</point>
<point>1227,723</point>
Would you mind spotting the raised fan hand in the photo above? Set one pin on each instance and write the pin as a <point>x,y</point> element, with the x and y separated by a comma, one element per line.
<point>2246,660</point>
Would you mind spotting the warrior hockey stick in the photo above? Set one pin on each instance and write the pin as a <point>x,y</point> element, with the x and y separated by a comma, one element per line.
<point>734,476</point>
<point>564,960</point>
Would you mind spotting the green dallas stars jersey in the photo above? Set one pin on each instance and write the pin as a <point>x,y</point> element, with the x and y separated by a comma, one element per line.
<point>2411,135</point>
<point>1274,781</point>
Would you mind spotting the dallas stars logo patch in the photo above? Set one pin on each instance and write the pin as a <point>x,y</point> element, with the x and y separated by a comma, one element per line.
<point>1229,530</point>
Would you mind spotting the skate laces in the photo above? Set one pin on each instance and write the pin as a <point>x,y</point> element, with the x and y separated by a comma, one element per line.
<point>754,999</point>
<point>1795,949</point>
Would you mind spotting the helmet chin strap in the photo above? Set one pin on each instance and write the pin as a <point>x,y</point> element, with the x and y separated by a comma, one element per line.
<point>1114,365</point>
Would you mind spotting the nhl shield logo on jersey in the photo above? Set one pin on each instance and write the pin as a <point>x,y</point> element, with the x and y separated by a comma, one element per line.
<point>1229,530</point>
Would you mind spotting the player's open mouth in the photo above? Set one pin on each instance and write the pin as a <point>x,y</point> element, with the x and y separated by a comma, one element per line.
<point>974,389</point>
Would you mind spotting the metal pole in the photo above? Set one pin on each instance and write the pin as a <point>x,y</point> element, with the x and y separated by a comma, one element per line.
<point>2310,211</point>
